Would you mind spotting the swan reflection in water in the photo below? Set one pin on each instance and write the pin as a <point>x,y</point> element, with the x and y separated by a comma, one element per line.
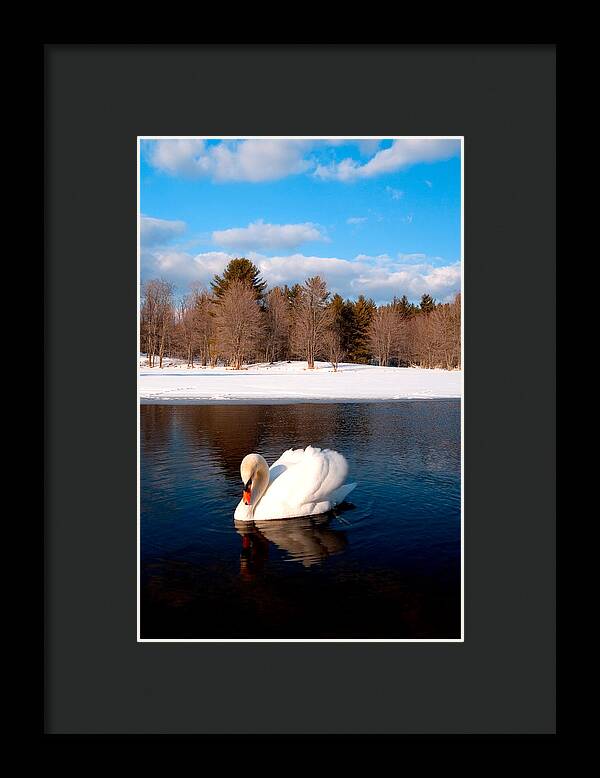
<point>308,540</point>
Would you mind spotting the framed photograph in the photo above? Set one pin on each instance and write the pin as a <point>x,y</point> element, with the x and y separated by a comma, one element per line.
<point>300,388</point>
<point>310,440</point>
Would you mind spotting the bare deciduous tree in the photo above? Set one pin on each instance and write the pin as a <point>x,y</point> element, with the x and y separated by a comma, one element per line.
<point>455,309</point>
<point>204,326</point>
<point>334,347</point>
<point>156,318</point>
<point>383,333</point>
<point>312,319</point>
<point>431,339</point>
<point>276,325</point>
<point>186,327</point>
<point>238,322</point>
<point>297,322</point>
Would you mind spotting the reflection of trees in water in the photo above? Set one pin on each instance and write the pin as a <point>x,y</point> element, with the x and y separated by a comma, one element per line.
<point>300,425</point>
<point>432,428</point>
<point>311,424</point>
<point>156,432</point>
<point>415,431</point>
<point>156,424</point>
<point>232,431</point>
<point>421,434</point>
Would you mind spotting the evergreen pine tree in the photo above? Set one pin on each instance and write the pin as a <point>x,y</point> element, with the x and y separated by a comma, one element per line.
<point>402,307</point>
<point>427,303</point>
<point>363,311</point>
<point>342,320</point>
<point>293,293</point>
<point>239,269</point>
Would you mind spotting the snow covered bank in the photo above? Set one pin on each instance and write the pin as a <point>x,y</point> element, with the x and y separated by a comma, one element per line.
<point>293,382</point>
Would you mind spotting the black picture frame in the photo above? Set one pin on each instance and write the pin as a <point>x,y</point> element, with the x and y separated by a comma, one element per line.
<point>98,679</point>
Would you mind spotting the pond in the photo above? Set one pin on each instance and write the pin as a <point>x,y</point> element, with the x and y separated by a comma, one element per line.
<point>385,565</point>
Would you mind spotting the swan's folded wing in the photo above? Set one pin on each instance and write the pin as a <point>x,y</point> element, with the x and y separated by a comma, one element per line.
<point>291,457</point>
<point>311,475</point>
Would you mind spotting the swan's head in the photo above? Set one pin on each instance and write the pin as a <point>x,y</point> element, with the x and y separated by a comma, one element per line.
<point>255,477</point>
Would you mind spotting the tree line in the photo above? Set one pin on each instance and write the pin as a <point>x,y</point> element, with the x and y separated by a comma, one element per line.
<point>238,320</point>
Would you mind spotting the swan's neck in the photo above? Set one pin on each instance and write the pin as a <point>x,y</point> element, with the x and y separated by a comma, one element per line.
<point>260,481</point>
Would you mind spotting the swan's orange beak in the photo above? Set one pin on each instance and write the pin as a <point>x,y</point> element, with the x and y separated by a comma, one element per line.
<point>247,494</point>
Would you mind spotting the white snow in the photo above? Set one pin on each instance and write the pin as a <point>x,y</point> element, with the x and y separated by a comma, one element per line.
<point>293,382</point>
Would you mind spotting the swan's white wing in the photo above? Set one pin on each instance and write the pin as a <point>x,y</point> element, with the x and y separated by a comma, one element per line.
<point>290,457</point>
<point>311,475</point>
<point>303,481</point>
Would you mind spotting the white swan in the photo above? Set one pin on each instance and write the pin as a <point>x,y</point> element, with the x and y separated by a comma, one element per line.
<point>302,482</point>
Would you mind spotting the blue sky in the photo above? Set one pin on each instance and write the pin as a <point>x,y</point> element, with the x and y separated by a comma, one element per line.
<point>377,217</point>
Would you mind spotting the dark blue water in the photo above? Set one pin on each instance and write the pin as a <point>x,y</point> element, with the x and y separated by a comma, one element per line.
<point>387,565</point>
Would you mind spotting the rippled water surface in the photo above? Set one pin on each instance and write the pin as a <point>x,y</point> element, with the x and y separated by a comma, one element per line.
<point>386,565</point>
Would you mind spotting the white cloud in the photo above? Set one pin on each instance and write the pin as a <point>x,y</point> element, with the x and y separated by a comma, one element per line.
<point>400,154</point>
<point>262,159</point>
<point>154,231</point>
<point>181,267</point>
<point>368,147</point>
<point>298,267</point>
<point>380,277</point>
<point>357,220</point>
<point>261,236</point>
<point>382,283</point>
<point>244,160</point>
<point>179,157</point>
